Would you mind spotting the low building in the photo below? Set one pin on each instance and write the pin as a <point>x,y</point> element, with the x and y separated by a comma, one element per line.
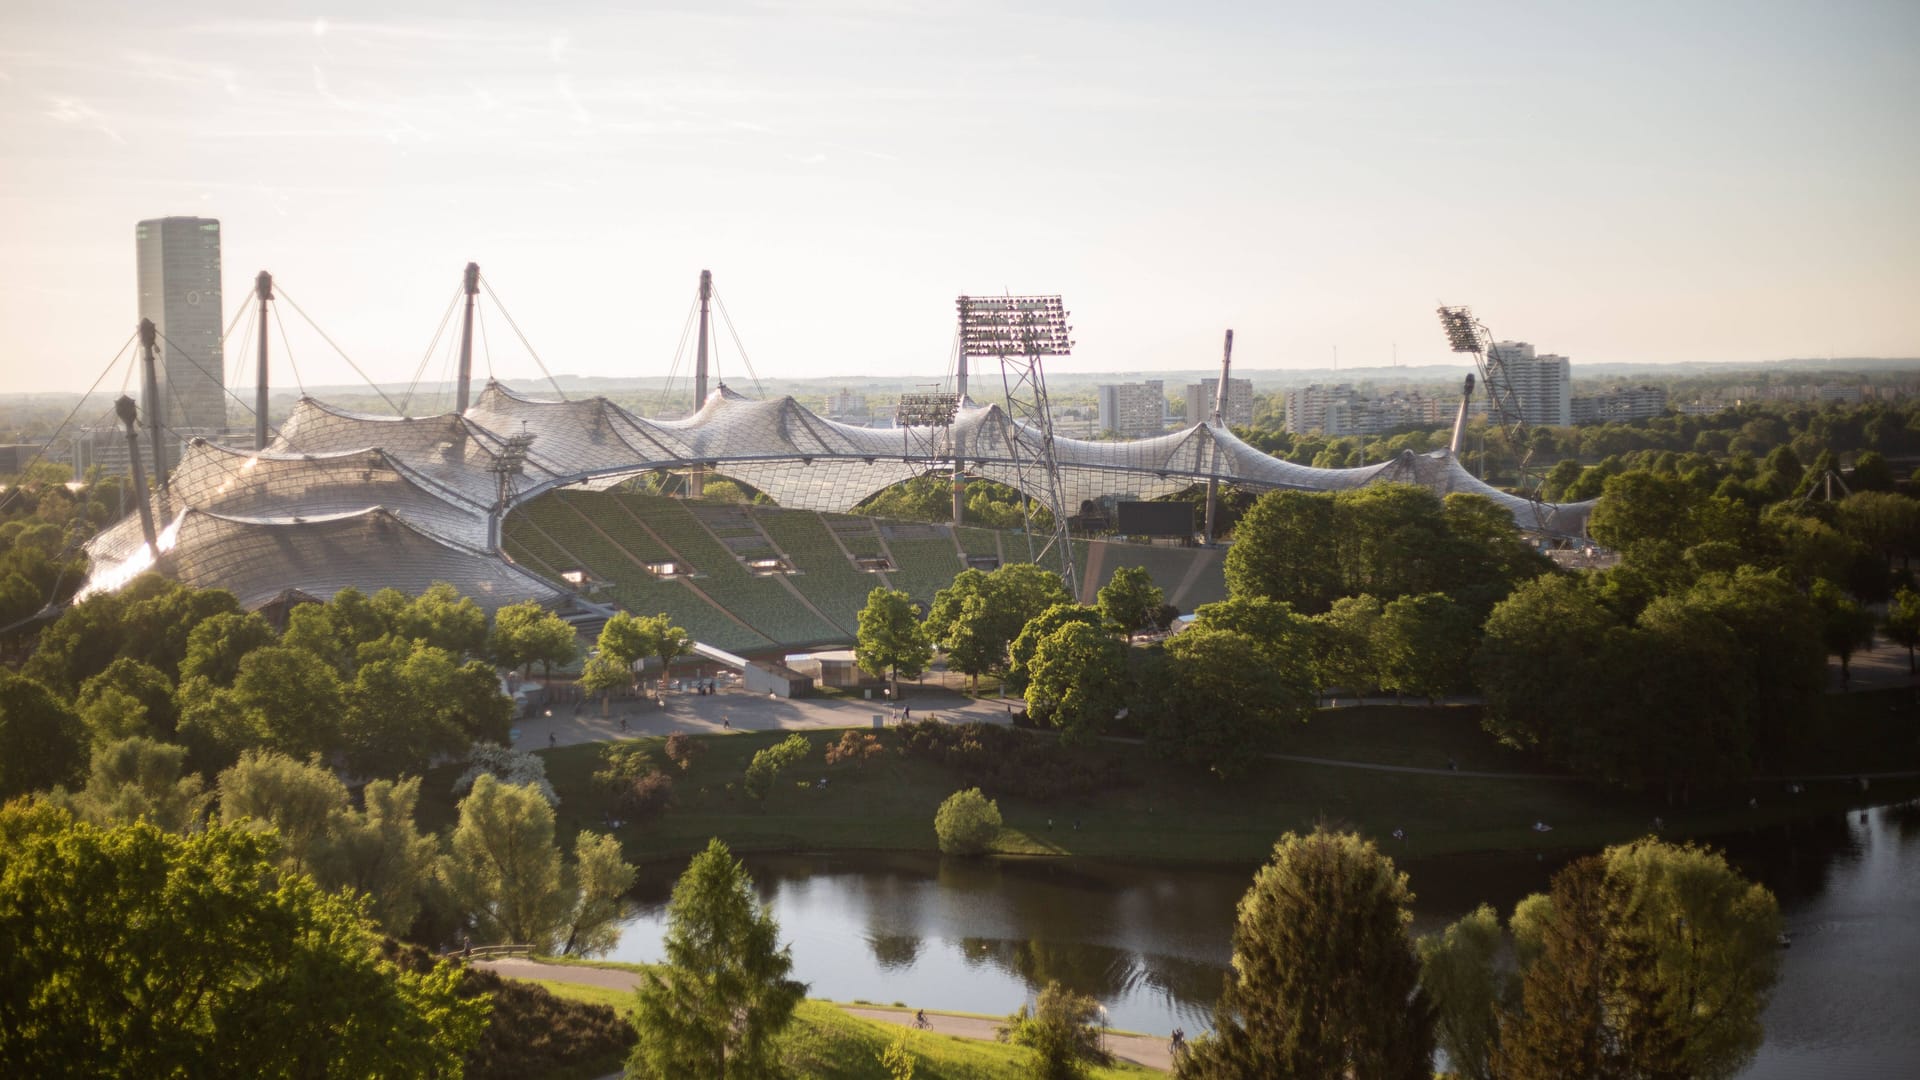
<point>768,677</point>
<point>1620,403</point>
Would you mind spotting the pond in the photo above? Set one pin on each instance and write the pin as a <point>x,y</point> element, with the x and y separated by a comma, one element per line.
<point>1152,942</point>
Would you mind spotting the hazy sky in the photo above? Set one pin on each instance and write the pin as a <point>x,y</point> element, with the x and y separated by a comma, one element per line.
<point>1615,181</point>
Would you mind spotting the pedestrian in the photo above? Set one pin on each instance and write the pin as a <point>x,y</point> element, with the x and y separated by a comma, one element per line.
<point>726,722</point>
<point>623,723</point>
<point>552,739</point>
<point>909,712</point>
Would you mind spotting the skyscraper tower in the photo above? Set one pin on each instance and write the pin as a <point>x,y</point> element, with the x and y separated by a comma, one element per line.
<point>179,261</point>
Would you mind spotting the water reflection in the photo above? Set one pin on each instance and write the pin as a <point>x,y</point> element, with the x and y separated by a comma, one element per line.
<point>1153,943</point>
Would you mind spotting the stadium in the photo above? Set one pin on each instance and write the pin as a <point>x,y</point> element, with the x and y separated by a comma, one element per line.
<point>513,499</point>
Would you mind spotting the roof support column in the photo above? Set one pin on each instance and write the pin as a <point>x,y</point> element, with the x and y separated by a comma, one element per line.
<point>466,341</point>
<point>263,288</point>
<point>1215,423</point>
<point>696,477</point>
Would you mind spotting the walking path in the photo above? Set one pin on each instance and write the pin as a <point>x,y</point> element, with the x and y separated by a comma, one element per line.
<point>1141,1049</point>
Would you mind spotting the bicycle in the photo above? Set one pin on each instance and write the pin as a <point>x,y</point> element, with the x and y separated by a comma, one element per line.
<point>921,1022</point>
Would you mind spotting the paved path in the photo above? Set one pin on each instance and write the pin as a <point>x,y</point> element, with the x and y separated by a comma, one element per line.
<point>1147,1050</point>
<point>737,710</point>
<point>1141,1049</point>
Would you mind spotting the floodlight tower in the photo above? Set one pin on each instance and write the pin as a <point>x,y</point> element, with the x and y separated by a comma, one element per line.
<point>1021,331</point>
<point>509,464</point>
<point>1466,334</point>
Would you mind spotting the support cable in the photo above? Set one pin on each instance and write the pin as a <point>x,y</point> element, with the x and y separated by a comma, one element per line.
<point>7,499</point>
<point>491,295</point>
<point>421,368</point>
<point>288,346</point>
<point>283,295</point>
<point>728,319</point>
<point>244,311</point>
<point>679,353</point>
<point>242,402</point>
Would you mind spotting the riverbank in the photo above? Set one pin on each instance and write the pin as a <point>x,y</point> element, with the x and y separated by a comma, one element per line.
<point>834,1041</point>
<point>1149,809</point>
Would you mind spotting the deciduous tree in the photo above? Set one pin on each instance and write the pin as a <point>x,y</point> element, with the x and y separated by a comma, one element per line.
<point>1129,599</point>
<point>1458,974</point>
<point>504,868</point>
<point>133,951</point>
<point>138,779</point>
<point>967,823</point>
<point>42,743</point>
<point>890,640</point>
<point>1077,680</point>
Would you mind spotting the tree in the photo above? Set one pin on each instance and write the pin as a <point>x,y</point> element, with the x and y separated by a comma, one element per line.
<point>603,673</point>
<point>415,705</point>
<point>1036,630</point>
<point>1457,973</point>
<point>977,617</point>
<point>1902,624</point>
<point>1077,680</point>
<point>669,642</point>
<point>1129,599</point>
<point>625,640</point>
<point>1325,984</point>
<point>1280,551</point>
<point>216,645</point>
<point>1229,699</point>
<point>890,640</point>
<point>128,698</point>
<point>1344,656</point>
<point>299,800</point>
<point>133,951</point>
<point>504,868</point>
<point>1063,1032</point>
<point>41,742</point>
<point>441,617</point>
<point>1650,959</point>
<point>603,878</point>
<point>715,1008</point>
<point>380,854</point>
<point>1423,644</point>
<point>527,633</point>
<point>768,764</point>
<point>1539,658</point>
<point>282,699</point>
<point>967,823</point>
<point>138,779</point>
<point>1845,626</point>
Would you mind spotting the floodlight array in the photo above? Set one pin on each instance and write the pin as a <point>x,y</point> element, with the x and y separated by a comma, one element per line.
<point>1463,333</point>
<point>926,410</point>
<point>1014,326</point>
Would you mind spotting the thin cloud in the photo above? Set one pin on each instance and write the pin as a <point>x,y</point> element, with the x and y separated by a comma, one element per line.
<point>73,112</point>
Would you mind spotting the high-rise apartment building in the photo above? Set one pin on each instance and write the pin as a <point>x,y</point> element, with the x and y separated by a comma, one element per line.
<point>179,267</point>
<point>1239,410</point>
<point>1133,410</point>
<point>1542,383</point>
<point>1307,407</point>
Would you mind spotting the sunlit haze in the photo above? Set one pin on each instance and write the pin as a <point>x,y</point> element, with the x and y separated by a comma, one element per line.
<point>1617,181</point>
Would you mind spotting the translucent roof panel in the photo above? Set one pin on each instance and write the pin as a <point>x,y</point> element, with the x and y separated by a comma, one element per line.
<point>348,498</point>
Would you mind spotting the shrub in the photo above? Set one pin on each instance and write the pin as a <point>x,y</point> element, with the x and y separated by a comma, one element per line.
<point>997,757</point>
<point>531,1032</point>
<point>638,789</point>
<point>769,763</point>
<point>967,823</point>
<point>516,767</point>
<point>855,748</point>
<point>682,749</point>
<point>1063,1032</point>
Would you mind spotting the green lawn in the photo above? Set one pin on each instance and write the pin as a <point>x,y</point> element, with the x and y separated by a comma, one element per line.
<point>827,1044</point>
<point>1161,811</point>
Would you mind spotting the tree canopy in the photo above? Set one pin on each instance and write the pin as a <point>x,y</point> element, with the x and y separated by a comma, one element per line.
<point>135,951</point>
<point>715,1007</point>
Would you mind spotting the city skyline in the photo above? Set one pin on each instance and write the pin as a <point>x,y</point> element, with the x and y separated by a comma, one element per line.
<point>1631,184</point>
